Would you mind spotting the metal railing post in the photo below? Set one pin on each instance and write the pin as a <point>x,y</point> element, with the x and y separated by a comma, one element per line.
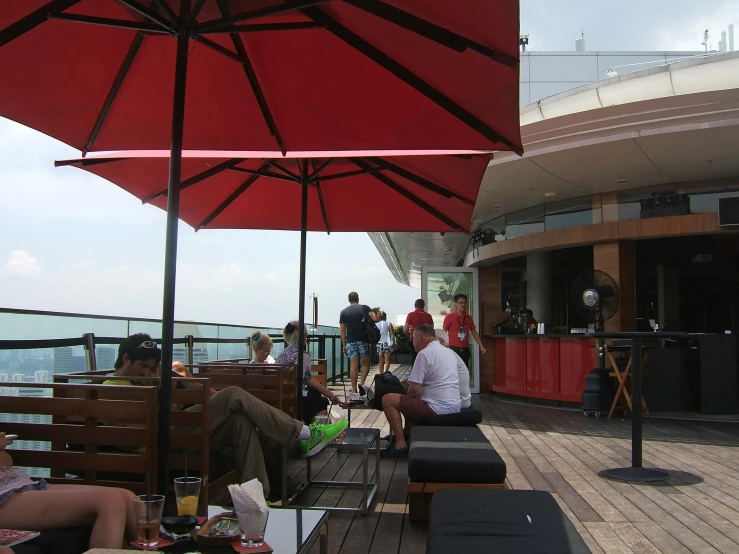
<point>190,349</point>
<point>90,351</point>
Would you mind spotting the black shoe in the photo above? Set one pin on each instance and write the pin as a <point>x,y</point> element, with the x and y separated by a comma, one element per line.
<point>361,390</point>
<point>393,452</point>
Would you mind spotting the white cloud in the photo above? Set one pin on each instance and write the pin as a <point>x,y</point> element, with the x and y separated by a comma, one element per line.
<point>20,262</point>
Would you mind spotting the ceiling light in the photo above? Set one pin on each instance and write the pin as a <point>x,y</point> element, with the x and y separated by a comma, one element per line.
<point>622,181</point>
<point>550,194</point>
<point>498,206</point>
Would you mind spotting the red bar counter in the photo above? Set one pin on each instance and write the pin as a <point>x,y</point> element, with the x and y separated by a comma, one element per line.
<point>550,367</point>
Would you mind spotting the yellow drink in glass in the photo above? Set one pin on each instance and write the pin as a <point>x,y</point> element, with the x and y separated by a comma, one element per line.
<point>187,506</point>
<point>187,493</point>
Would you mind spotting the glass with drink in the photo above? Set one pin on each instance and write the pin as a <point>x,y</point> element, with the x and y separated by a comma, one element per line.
<point>148,509</point>
<point>187,493</point>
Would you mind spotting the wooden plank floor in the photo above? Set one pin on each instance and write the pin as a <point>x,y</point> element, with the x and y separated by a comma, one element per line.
<point>561,451</point>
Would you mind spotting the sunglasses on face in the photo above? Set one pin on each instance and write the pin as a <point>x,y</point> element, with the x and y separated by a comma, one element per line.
<point>148,344</point>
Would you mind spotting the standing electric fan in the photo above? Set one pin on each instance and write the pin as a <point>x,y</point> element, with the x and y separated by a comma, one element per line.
<point>595,299</point>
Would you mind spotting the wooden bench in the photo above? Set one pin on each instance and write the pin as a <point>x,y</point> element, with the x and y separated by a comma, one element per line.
<point>183,441</point>
<point>92,416</point>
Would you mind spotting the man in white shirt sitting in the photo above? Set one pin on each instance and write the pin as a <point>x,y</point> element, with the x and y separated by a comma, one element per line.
<point>465,396</point>
<point>433,388</point>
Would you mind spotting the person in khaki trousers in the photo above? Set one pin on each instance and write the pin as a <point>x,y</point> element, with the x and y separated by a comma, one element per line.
<point>237,418</point>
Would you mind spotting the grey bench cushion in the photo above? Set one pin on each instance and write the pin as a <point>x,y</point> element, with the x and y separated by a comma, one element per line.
<point>453,455</point>
<point>466,417</point>
<point>501,521</point>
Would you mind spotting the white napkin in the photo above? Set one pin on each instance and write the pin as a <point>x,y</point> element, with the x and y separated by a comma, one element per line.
<point>248,498</point>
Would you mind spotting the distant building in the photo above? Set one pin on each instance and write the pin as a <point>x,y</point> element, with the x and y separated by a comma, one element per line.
<point>63,360</point>
<point>105,357</point>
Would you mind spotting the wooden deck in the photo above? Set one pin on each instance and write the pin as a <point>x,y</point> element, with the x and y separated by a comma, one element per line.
<point>561,451</point>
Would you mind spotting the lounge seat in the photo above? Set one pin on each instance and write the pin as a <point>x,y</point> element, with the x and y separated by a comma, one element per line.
<point>449,457</point>
<point>467,417</point>
<point>502,521</point>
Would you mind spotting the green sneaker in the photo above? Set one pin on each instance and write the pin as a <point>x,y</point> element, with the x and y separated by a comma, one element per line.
<point>320,436</point>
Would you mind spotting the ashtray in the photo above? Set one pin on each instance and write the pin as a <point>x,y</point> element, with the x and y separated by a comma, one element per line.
<point>179,524</point>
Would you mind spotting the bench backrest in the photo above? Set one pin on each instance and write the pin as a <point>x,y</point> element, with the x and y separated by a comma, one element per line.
<point>111,431</point>
<point>186,436</point>
<point>272,383</point>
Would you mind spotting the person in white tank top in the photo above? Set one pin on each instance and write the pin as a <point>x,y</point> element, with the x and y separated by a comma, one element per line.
<point>383,347</point>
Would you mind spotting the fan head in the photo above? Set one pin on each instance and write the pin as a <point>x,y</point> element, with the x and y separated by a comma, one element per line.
<point>595,296</point>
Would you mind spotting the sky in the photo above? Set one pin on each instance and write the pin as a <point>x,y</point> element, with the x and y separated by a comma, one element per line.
<point>72,242</point>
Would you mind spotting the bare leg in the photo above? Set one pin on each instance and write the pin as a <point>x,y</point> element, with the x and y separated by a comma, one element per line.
<point>353,366</point>
<point>365,368</point>
<point>102,508</point>
<point>391,407</point>
<point>131,532</point>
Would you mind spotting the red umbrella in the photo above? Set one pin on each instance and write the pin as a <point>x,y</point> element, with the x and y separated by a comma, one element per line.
<point>264,74</point>
<point>230,190</point>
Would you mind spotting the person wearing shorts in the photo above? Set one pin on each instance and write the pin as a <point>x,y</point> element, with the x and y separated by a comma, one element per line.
<point>352,341</point>
<point>433,388</point>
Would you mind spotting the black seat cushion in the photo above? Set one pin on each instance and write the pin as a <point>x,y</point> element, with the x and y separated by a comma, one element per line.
<point>73,540</point>
<point>501,521</point>
<point>466,417</point>
<point>453,455</point>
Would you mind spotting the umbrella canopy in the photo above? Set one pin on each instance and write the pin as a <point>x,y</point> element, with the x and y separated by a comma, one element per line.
<point>416,192</point>
<point>281,75</point>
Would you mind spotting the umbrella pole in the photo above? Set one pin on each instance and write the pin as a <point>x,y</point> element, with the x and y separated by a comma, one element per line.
<point>301,299</point>
<point>170,254</point>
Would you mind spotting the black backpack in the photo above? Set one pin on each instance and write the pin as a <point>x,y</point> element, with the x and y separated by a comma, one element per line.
<point>385,383</point>
<point>370,332</point>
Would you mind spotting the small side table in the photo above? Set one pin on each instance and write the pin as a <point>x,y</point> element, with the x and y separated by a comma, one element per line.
<point>355,440</point>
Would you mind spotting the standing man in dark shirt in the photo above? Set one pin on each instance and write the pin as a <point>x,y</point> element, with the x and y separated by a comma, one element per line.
<point>414,319</point>
<point>460,326</point>
<point>354,345</point>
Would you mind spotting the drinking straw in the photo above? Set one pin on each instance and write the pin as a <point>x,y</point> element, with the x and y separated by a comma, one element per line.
<point>148,495</point>
<point>186,472</point>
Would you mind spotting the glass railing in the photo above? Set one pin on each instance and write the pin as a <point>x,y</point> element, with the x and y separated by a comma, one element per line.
<point>37,344</point>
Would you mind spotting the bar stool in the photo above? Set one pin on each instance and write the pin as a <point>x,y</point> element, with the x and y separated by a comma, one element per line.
<point>623,377</point>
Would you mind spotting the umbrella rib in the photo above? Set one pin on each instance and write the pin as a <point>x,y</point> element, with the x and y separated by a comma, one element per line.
<point>34,19</point>
<point>263,174</point>
<point>321,203</point>
<point>431,31</point>
<point>251,76</point>
<point>108,22</point>
<point>321,167</point>
<point>257,27</point>
<point>409,195</point>
<point>195,12</point>
<point>117,84</point>
<point>415,178</point>
<point>167,11</point>
<point>290,5</point>
<point>273,163</point>
<point>234,195</point>
<point>149,14</point>
<point>348,174</point>
<point>407,76</point>
<point>228,164</point>
<point>220,49</point>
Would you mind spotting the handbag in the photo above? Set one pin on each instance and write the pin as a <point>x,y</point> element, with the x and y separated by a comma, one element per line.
<point>385,383</point>
<point>370,332</point>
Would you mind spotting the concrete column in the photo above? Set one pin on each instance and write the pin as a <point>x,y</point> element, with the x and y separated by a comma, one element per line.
<point>539,285</point>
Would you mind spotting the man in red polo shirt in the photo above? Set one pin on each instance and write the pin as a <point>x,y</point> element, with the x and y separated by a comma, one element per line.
<point>414,319</point>
<point>459,326</point>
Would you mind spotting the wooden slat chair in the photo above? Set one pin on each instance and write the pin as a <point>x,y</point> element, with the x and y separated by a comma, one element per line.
<point>91,416</point>
<point>182,438</point>
<point>319,369</point>
<point>272,383</point>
